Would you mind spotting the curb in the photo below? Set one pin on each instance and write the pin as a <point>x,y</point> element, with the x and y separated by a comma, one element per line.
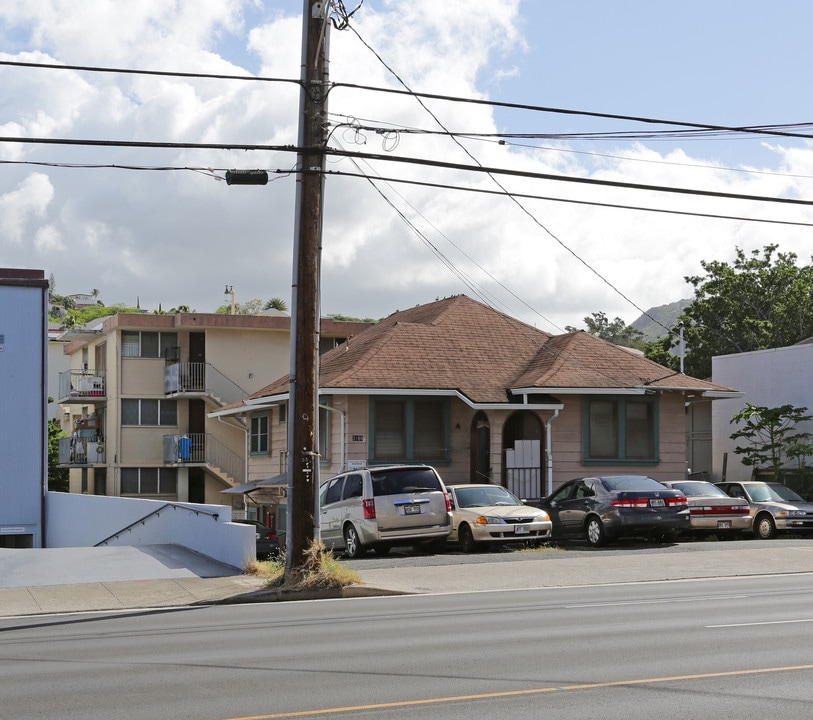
<point>282,595</point>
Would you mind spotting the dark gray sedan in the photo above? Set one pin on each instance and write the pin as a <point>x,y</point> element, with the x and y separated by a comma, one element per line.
<point>598,509</point>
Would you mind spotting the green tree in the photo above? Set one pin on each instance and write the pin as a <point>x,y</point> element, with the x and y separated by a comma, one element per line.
<point>348,318</point>
<point>762,300</point>
<point>660,352</point>
<point>57,476</point>
<point>615,331</point>
<point>770,434</point>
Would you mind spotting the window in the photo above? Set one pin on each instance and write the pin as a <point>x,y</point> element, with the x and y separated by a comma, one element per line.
<point>410,429</point>
<point>620,430</point>
<point>147,344</point>
<point>259,443</point>
<point>149,481</point>
<point>137,411</point>
<point>333,491</point>
<point>283,414</point>
<point>324,433</point>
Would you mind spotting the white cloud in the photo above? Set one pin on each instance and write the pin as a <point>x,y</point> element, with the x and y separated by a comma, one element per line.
<point>177,237</point>
<point>21,206</point>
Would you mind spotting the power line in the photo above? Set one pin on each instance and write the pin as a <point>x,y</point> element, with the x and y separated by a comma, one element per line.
<point>616,206</point>
<point>478,168</point>
<point>779,129</point>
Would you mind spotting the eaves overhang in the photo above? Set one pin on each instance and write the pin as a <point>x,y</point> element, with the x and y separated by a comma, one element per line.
<point>272,400</point>
<point>579,391</point>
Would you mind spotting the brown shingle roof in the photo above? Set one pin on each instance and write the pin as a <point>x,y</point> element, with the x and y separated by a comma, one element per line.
<point>579,360</point>
<point>458,344</point>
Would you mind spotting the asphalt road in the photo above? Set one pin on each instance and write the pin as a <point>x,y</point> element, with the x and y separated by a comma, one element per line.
<point>734,647</point>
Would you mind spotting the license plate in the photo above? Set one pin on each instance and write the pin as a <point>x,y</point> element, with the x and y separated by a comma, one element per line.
<point>724,524</point>
<point>412,509</point>
<point>657,502</point>
<point>521,529</point>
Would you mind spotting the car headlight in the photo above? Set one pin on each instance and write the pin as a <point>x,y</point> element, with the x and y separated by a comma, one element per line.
<point>489,520</point>
<point>542,517</point>
<point>797,513</point>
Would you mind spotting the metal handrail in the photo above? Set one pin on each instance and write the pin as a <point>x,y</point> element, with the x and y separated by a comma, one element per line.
<point>203,448</point>
<point>82,383</point>
<point>156,512</point>
<point>198,377</point>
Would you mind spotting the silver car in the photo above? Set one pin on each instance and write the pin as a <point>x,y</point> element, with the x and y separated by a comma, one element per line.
<point>775,508</point>
<point>712,511</point>
<point>376,508</point>
<point>485,514</point>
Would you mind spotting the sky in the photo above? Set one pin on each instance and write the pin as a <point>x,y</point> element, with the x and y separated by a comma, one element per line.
<point>172,232</point>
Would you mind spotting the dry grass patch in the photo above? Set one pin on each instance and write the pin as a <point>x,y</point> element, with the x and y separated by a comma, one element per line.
<point>539,548</point>
<point>321,571</point>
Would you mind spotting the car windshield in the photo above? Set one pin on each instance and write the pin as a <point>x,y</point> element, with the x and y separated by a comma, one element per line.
<point>775,493</point>
<point>697,488</point>
<point>485,496</point>
<point>404,480</point>
<point>631,483</point>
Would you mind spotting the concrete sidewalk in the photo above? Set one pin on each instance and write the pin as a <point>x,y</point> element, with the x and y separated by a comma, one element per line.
<point>180,585</point>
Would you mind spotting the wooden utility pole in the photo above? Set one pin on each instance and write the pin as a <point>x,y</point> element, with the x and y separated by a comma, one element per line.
<point>303,416</point>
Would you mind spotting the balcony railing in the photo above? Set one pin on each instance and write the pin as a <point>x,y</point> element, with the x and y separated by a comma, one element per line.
<point>201,379</point>
<point>82,386</point>
<point>204,449</point>
<point>82,450</point>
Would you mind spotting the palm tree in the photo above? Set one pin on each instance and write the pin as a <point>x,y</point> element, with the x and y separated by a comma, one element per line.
<point>276,304</point>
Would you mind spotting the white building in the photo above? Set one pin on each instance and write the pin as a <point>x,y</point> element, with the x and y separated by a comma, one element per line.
<point>770,378</point>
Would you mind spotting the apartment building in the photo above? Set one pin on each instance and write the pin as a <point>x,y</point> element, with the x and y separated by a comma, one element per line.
<point>139,391</point>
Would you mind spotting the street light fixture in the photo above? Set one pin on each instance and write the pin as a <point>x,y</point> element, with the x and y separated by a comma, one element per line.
<point>230,291</point>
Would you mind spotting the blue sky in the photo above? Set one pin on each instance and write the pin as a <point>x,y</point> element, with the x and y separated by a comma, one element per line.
<point>170,238</point>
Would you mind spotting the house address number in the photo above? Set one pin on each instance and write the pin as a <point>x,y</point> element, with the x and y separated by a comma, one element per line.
<point>358,438</point>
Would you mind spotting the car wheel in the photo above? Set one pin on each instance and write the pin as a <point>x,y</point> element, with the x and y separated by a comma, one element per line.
<point>764,527</point>
<point>670,536</point>
<point>352,544</point>
<point>382,549</point>
<point>594,529</point>
<point>466,539</point>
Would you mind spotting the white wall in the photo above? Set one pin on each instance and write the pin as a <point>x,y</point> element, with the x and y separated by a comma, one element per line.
<point>85,520</point>
<point>770,378</point>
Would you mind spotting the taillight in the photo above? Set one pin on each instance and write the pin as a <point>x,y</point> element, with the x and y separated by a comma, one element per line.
<point>369,509</point>
<point>448,502</point>
<point>271,535</point>
<point>674,501</point>
<point>631,503</point>
<point>720,510</point>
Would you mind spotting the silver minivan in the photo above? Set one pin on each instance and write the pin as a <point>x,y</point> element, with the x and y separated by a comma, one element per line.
<point>376,508</point>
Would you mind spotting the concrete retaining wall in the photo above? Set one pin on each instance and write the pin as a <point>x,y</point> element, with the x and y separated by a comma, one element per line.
<point>86,520</point>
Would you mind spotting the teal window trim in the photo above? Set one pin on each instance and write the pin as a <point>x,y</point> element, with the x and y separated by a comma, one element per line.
<point>409,430</point>
<point>621,458</point>
<point>259,435</point>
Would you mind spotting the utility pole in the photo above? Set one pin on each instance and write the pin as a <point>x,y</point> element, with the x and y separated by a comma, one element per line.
<point>303,397</point>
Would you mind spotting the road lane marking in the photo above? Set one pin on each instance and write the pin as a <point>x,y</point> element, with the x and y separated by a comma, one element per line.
<point>656,601</point>
<point>515,693</point>
<point>762,622</point>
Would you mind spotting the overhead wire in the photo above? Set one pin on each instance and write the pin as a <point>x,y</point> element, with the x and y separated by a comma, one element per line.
<point>419,97</point>
<point>777,129</point>
<point>477,168</point>
<point>780,130</point>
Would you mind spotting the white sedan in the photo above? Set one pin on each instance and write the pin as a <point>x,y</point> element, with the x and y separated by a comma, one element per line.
<point>485,514</point>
